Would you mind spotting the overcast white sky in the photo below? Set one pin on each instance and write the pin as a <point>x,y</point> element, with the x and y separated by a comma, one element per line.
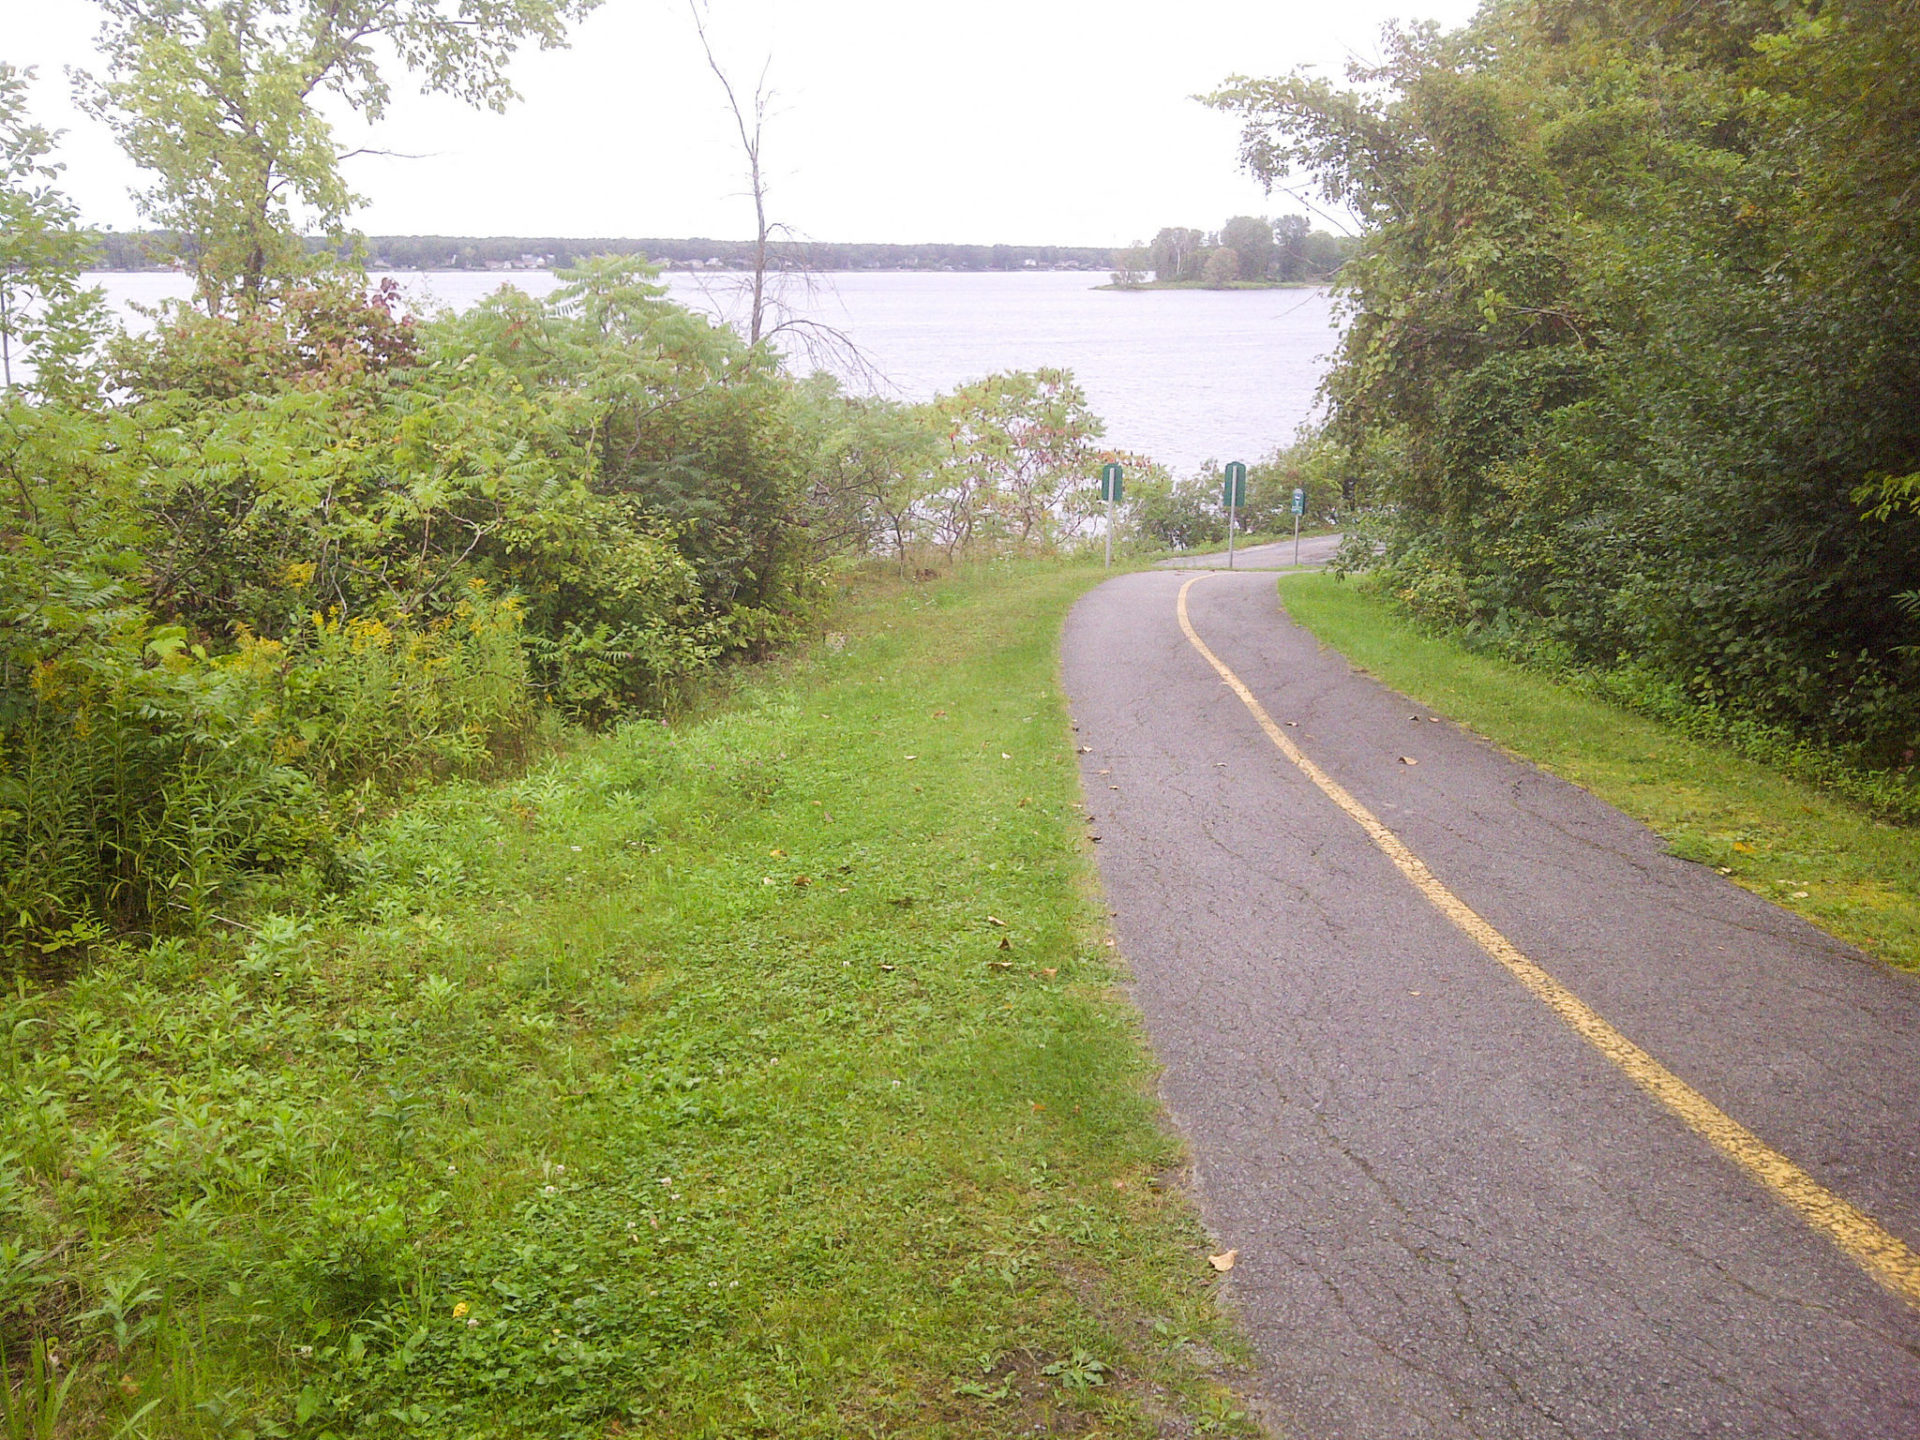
<point>1023,121</point>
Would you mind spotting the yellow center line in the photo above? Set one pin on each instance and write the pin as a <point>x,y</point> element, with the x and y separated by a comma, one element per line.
<point>1882,1254</point>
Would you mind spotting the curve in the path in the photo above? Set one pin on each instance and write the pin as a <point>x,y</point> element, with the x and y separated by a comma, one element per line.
<point>1315,550</point>
<point>1456,1217</point>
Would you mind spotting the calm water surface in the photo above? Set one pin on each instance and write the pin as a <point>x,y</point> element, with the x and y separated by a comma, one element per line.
<point>1183,375</point>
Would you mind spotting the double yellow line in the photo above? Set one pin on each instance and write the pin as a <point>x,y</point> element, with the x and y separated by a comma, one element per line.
<point>1882,1254</point>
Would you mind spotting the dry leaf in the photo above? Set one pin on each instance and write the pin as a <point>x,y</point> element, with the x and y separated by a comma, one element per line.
<point>777,853</point>
<point>1049,971</point>
<point>999,964</point>
<point>1743,847</point>
<point>801,881</point>
<point>1086,749</point>
<point>1005,944</point>
<point>1408,760</point>
<point>939,714</point>
<point>886,967</point>
<point>913,757</point>
<point>1224,1262</point>
<point>1025,800</point>
<point>1005,756</point>
<point>996,920</point>
<point>766,879</point>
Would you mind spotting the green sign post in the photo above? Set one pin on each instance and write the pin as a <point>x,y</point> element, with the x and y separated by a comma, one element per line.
<point>1111,488</point>
<point>1233,495</point>
<point>1299,509</point>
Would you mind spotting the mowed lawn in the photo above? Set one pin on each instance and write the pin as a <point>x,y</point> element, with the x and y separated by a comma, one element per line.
<point>1853,875</point>
<point>759,1074</point>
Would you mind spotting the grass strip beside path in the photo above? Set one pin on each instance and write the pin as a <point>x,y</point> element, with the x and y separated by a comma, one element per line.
<point>1854,876</point>
<point>760,1075</point>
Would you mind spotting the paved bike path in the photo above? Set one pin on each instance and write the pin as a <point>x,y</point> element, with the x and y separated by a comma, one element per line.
<point>1454,1216</point>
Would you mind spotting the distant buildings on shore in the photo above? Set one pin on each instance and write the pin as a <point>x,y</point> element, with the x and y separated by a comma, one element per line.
<point>151,250</point>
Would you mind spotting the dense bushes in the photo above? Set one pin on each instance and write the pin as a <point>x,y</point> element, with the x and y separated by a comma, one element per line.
<point>1638,313</point>
<point>309,551</point>
<point>311,547</point>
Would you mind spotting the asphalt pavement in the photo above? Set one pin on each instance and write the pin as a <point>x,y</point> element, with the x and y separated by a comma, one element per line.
<point>1314,550</point>
<point>1454,1216</point>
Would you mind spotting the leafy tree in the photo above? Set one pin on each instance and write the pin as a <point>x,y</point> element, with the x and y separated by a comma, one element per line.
<point>47,318</point>
<point>1221,267</point>
<point>1130,266</point>
<point>221,100</point>
<point>1251,240</point>
<point>1016,442</point>
<point>1175,253</point>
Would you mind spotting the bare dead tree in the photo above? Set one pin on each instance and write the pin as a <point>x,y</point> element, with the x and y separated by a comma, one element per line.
<point>770,316</point>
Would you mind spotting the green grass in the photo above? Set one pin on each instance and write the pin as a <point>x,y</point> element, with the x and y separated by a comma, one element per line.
<point>762,1074</point>
<point>1853,875</point>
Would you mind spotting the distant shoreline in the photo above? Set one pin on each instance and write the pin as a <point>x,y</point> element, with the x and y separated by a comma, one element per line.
<point>925,271</point>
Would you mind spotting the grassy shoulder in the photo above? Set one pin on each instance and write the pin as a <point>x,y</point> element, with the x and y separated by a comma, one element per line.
<point>763,1074</point>
<point>1815,854</point>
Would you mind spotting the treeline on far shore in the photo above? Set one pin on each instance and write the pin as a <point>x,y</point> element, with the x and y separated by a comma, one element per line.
<point>156,250</point>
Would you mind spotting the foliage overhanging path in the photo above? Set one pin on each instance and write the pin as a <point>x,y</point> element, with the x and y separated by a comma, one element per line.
<point>1452,1215</point>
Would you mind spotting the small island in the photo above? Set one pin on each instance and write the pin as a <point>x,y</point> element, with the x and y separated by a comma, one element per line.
<point>1249,252</point>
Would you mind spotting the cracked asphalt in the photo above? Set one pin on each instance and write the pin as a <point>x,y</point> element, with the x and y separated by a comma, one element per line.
<point>1454,1217</point>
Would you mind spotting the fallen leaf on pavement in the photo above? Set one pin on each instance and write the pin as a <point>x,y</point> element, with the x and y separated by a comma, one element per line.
<point>1223,1263</point>
<point>1408,760</point>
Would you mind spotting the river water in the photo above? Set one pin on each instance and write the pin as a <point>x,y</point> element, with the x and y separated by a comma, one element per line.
<point>1185,376</point>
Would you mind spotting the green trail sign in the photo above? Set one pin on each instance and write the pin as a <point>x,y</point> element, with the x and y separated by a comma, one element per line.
<point>1233,490</point>
<point>1111,489</point>
<point>1299,502</point>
